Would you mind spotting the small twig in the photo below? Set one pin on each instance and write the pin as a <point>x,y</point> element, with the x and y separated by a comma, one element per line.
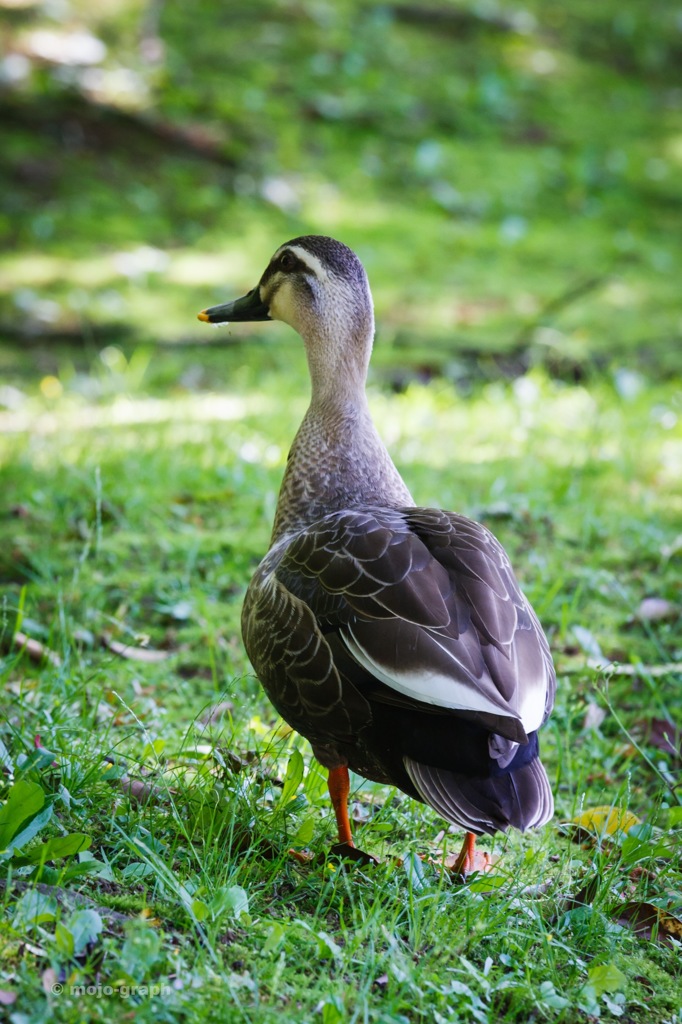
<point>35,650</point>
<point>667,669</point>
<point>132,652</point>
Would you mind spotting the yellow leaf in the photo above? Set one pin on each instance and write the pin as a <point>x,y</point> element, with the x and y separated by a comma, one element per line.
<point>606,820</point>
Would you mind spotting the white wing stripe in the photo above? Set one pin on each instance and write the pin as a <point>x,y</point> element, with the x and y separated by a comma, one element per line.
<point>428,687</point>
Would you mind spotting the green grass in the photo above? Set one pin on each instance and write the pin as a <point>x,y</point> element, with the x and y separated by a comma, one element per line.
<point>515,197</point>
<point>137,498</point>
<point>481,175</point>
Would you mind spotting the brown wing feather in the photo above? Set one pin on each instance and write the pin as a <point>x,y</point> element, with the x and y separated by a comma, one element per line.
<point>415,591</point>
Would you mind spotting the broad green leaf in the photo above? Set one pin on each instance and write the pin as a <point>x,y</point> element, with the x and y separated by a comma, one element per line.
<point>332,1013</point>
<point>23,801</point>
<point>88,864</point>
<point>304,832</point>
<point>326,946</point>
<point>292,779</point>
<point>36,761</point>
<point>229,899</point>
<point>141,950</point>
<point>380,826</point>
<point>315,785</point>
<point>33,828</point>
<point>85,926</point>
<point>638,844</point>
<point>5,758</point>
<point>153,750</point>
<point>675,816</point>
<point>274,938</point>
<point>136,871</point>
<point>200,910</point>
<point>414,869</point>
<point>34,908</point>
<point>550,997</point>
<point>62,846</point>
<point>486,883</point>
<point>64,940</point>
<point>606,978</point>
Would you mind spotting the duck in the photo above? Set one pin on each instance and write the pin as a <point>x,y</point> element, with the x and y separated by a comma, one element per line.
<point>395,638</point>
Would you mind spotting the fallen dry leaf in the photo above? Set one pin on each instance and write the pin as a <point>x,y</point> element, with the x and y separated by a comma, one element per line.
<point>594,716</point>
<point>49,979</point>
<point>649,922</point>
<point>218,711</point>
<point>304,857</point>
<point>360,813</point>
<point>603,821</point>
<point>665,736</point>
<point>483,862</point>
<point>141,792</point>
<point>657,609</point>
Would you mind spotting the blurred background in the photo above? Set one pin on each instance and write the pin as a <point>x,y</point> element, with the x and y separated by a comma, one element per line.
<point>509,173</point>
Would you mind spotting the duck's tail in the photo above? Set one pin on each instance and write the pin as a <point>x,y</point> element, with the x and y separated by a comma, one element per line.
<point>518,797</point>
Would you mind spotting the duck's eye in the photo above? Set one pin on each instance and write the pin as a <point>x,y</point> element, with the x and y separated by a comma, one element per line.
<point>287,261</point>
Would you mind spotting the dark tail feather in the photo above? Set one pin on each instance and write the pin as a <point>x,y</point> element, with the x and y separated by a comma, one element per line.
<point>521,798</point>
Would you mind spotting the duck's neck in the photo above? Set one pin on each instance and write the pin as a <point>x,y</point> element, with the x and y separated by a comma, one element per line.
<point>337,460</point>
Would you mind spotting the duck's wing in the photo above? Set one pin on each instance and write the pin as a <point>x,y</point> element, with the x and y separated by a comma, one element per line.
<point>426,603</point>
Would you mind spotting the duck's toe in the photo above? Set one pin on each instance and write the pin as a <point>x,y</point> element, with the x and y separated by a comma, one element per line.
<point>349,852</point>
<point>470,859</point>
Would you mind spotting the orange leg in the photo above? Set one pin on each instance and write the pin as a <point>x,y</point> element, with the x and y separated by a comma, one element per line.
<point>339,789</point>
<point>470,859</point>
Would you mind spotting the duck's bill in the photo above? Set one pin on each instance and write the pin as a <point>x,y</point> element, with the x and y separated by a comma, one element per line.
<point>249,307</point>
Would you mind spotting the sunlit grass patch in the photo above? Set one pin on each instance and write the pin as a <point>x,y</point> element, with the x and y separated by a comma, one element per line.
<point>136,506</point>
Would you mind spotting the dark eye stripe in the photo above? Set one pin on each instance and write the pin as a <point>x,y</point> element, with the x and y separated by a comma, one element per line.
<point>290,263</point>
<point>286,263</point>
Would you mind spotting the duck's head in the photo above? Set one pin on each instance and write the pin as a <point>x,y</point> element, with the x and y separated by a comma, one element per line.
<point>319,287</point>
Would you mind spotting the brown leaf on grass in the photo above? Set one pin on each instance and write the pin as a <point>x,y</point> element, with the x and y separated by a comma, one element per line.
<point>236,763</point>
<point>214,714</point>
<point>360,813</point>
<point>141,792</point>
<point>594,716</point>
<point>131,652</point>
<point>49,980</point>
<point>483,861</point>
<point>665,736</point>
<point>304,857</point>
<point>20,512</point>
<point>36,651</point>
<point>657,609</point>
<point>649,922</point>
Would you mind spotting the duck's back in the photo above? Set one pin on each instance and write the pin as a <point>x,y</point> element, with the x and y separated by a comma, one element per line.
<point>399,643</point>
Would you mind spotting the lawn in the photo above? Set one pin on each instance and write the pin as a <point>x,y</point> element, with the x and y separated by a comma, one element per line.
<point>510,178</point>
<point>136,502</point>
